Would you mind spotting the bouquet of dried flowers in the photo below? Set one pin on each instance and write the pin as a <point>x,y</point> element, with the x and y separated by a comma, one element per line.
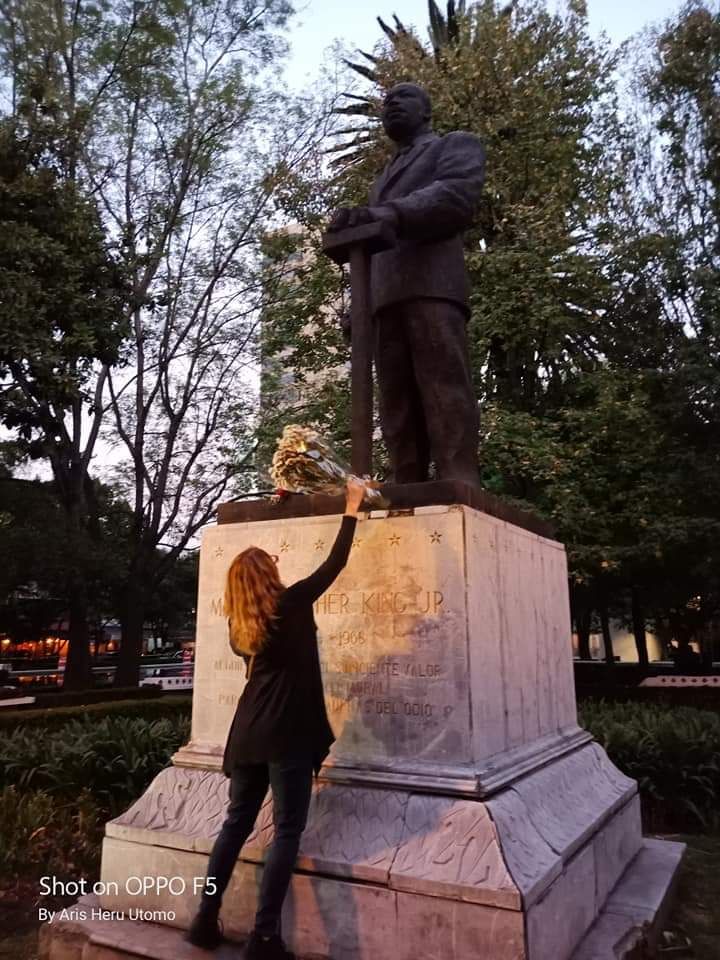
<point>305,463</point>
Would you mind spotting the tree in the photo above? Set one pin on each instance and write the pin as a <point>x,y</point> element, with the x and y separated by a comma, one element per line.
<point>677,203</point>
<point>172,609</point>
<point>593,292</point>
<point>63,320</point>
<point>37,555</point>
<point>178,138</point>
<point>192,225</point>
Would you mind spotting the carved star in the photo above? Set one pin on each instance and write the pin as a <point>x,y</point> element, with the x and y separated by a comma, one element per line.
<point>394,540</point>
<point>284,546</point>
<point>219,552</point>
<point>319,544</point>
<point>435,537</point>
<point>356,542</point>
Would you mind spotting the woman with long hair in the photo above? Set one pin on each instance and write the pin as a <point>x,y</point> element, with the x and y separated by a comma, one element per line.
<point>280,734</point>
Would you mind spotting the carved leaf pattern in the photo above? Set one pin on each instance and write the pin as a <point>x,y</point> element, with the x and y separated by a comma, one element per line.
<point>514,842</point>
<point>453,842</point>
<point>180,800</point>
<point>347,826</point>
<point>356,827</point>
<point>531,862</point>
<point>569,799</point>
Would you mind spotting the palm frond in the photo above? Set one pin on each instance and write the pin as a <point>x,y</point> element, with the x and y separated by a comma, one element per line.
<point>400,26</point>
<point>351,144</point>
<point>453,25</point>
<point>368,56</point>
<point>438,27</point>
<point>346,130</point>
<point>358,110</point>
<point>362,70</point>
<point>339,165</point>
<point>362,97</point>
<point>388,31</point>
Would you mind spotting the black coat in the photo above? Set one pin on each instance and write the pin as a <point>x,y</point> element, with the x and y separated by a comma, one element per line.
<point>282,709</point>
<point>434,188</point>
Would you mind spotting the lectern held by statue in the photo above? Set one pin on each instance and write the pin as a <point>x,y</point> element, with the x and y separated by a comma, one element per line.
<point>355,246</point>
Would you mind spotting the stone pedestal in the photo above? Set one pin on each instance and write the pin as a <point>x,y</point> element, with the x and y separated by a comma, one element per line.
<point>444,647</point>
<point>462,812</point>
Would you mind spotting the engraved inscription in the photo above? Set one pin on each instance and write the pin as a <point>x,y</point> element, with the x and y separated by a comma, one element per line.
<point>227,699</point>
<point>392,638</point>
<point>332,603</point>
<point>234,666</point>
<point>380,602</point>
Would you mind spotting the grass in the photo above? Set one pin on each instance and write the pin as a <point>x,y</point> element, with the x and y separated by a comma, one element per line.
<point>696,911</point>
<point>697,903</point>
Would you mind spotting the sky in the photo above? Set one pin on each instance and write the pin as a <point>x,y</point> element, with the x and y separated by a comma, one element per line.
<point>319,23</point>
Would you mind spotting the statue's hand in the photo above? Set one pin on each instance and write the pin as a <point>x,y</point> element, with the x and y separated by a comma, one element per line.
<point>346,325</point>
<point>339,220</point>
<point>347,217</point>
<point>385,214</point>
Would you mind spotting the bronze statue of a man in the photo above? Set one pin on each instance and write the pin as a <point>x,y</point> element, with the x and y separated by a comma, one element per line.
<point>419,291</point>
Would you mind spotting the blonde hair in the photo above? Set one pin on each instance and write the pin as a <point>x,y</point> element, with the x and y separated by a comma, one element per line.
<point>251,591</point>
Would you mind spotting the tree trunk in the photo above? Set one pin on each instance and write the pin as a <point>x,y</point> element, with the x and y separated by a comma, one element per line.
<point>638,621</point>
<point>78,672</point>
<point>582,622</point>
<point>581,611</point>
<point>607,636</point>
<point>132,622</point>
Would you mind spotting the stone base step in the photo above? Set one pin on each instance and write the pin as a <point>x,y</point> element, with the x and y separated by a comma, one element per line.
<point>98,939</point>
<point>638,906</point>
<point>635,912</point>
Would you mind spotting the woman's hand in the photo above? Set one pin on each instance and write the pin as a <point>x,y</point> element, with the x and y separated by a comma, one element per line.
<point>355,491</point>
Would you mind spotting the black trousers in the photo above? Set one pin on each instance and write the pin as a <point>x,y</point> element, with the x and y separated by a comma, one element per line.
<point>428,409</point>
<point>291,785</point>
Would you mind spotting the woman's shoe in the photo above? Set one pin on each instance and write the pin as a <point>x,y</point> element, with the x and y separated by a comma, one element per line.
<point>272,948</point>
<point>205,931</point>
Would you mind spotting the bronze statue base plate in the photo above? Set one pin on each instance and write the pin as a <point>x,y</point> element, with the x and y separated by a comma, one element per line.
<point>402,496</point>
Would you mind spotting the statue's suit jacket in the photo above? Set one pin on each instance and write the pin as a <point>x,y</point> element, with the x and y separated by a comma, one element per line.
<point>434,188</point>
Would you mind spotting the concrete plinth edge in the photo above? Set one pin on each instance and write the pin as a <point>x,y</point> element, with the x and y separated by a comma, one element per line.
<point>637,908</point>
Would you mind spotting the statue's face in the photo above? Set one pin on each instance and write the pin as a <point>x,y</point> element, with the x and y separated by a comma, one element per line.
<point>405,111</point>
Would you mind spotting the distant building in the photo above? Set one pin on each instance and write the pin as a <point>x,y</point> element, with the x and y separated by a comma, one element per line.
<point>280,387</point>
<point>623,643</point>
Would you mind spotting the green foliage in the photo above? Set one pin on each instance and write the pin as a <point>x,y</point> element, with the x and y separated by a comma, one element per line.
<point>168,111</point>
<point>40,836</point>
<point>174,707</point>
<point>63,298</point>
<point>63,773</point>
<point>38,549</point>
<point>674,754</point>
<point>594,275</point>
<point>114,758</point>
<point>63,295</point>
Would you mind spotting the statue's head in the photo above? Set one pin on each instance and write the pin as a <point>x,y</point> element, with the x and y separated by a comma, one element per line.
<point>406,111</point>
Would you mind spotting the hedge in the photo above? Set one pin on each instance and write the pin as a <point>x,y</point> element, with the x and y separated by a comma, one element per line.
<point>673,753</point>
<point>170,705</point>
<point>113,758</point>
